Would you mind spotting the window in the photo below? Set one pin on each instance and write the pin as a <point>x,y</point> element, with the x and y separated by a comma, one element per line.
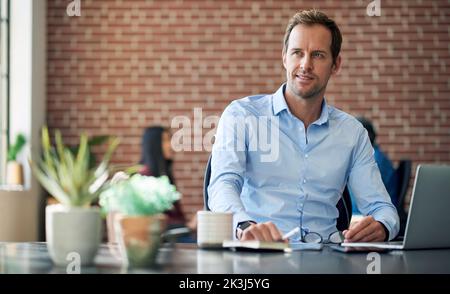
<point>4,85</point>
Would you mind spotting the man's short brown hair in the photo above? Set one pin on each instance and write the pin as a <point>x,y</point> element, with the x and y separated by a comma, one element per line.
<point>311,17</point>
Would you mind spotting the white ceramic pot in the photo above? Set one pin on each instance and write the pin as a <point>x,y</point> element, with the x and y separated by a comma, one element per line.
<point>72,230</point>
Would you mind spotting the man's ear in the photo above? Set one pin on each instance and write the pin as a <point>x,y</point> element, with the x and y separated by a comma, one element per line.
<point>337,65</point>
<point>283,56</point>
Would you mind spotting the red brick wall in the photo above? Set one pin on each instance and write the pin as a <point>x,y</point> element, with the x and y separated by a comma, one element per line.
<point>124,65</point>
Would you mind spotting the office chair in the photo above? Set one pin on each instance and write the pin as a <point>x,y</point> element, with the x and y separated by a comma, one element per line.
<point>403,175</point>
<point>206,180</point>
<point>344,204</point>
<point>344,207</point>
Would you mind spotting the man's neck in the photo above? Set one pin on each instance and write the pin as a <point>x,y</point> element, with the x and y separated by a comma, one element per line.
<point>306,110</point>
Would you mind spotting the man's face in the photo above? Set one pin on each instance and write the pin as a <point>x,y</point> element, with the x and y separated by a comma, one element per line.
<point>308,61</point>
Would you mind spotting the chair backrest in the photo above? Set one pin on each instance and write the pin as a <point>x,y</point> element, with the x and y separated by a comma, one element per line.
<point>344,207</point>
<point>403,174</point>
<point>206,179</point>
<point>344,204</point>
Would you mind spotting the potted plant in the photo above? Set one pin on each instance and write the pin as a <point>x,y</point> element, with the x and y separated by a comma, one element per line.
<point>73,225</point>
<point>136,205</point>
<point>14,170</point>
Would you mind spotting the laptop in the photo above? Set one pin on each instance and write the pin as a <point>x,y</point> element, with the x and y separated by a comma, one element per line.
<point>428,223</point>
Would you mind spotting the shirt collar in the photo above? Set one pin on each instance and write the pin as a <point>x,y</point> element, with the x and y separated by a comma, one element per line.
<point>279,104</point>
<point>324,114</point>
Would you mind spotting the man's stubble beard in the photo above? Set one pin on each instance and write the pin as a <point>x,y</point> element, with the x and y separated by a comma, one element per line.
<point>308,94</point>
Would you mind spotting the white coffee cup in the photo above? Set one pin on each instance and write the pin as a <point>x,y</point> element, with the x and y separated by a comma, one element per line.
<point>213,228</point>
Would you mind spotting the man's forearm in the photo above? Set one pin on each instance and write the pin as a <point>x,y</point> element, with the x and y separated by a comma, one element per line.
<point>224,195</point>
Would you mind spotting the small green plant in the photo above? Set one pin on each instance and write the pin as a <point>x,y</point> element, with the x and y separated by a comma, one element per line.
<point>69,177</point>
<point>138,195</point>
<point>15,149</point>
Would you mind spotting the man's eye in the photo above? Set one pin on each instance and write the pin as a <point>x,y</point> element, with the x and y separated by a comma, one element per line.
<point>317,54</point>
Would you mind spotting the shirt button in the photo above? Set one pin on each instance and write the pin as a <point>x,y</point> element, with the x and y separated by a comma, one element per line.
<point>306,155</point>
<point>304,181</point>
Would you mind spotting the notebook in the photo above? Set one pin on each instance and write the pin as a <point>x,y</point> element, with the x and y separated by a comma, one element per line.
<point>254,245</point>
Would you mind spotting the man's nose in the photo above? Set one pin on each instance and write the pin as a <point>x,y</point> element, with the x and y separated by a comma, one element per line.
<point>306,64</point>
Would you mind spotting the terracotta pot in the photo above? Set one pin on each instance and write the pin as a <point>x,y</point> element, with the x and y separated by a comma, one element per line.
<point>14,173</point>
<point>140,238</point>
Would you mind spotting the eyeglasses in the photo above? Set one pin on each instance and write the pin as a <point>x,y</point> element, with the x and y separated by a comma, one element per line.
<point>306,236</point>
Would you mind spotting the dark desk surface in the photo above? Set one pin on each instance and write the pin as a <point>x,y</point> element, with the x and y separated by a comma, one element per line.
<point>187,259</point>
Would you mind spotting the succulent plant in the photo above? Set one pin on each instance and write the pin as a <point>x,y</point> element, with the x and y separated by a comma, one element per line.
<point>69,177</point>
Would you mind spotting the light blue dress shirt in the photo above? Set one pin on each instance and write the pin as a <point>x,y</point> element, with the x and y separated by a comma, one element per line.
<point>302,171</point>
<point>388,176</point>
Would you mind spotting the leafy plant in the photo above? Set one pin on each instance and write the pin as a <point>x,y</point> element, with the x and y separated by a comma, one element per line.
<point>68,177</point>
<point>15,149</point>
<point>97,140</point>
<point>138,195</point>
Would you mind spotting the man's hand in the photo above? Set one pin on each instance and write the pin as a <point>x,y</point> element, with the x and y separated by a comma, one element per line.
<point>262,232</point>
<point>365,230</point>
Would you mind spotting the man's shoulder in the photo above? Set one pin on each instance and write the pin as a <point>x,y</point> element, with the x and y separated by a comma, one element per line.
<point>342,118</point>
<point>254,104</point>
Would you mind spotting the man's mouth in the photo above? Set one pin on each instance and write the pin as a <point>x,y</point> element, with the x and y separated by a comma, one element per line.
<point>304,77</point>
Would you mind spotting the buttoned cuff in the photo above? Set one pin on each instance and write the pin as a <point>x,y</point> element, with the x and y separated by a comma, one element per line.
<point>390,222</point>
<point>386,232</point>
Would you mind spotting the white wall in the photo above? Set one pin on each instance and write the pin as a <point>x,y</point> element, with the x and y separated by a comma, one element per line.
<point>20,210</point>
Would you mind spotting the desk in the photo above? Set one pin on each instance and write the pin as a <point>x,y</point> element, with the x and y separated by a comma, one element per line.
<point>187,259</point>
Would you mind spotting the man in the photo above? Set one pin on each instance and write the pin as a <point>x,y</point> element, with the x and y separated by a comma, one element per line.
<point>320,150</point>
